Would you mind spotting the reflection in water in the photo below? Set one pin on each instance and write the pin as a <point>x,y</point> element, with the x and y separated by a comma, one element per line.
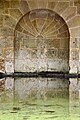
<point>40,88</point>
<point>56,107</point>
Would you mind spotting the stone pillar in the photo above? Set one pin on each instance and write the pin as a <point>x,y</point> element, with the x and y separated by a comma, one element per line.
<point>9,68</point>
<point>74,68</point>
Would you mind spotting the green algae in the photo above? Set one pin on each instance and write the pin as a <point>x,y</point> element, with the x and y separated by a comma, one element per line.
<point>50,109</point>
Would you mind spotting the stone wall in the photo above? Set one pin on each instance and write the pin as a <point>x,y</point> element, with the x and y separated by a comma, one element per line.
<point>11,12</point>
<point>42,42</point>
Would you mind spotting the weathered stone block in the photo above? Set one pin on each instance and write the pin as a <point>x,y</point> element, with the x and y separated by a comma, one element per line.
<point>6,31</point>
<point>41,64</point>
<point>9,66</point>
<point>14,4</point>
<point>8,20</point>
<point>75,32</point>
<point>27,33</point>
<point>63,28</point>
<point>30,26</point>
<point>74,54</point>
<point>47,22</point>
<point>51,34</point>
<point>29,43</point>
<point>40,23</point>
<point>52,4</point>
<point>35,24</point>
<point>77,3</point>
<point>42,4</point>
<point>34,53</point>
<point>29,65</point>
<point>75,22</point>
<point>74,64</point>
<point>15,13</point>
<point>2,65</point>
<point>49,26</point>
<point>9,53</point>
<point>64,43</point>
<point>53,43</point>
<point>61,6</point>
<point>24,7</point>
<point>32,4</point>
<point>19,30</point>
<point>2,42</point>
<point>52,53</point>
<point>63,35</point>
<point>9,41</point>
<point>32,15</point>
<point>63,54</point>
<point>69,13</point>
<point>57,65</point>
<point>74,42</point>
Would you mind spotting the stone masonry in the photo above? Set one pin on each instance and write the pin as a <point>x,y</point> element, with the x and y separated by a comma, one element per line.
<point>39,35</point>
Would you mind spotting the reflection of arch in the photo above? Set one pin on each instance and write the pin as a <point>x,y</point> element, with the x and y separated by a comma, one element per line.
<point>42,27</point>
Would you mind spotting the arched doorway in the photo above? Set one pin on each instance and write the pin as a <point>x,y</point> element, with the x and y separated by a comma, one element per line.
<point>42,44</point>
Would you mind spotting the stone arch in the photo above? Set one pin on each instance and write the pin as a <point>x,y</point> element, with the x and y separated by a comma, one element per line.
<point>41,42</point>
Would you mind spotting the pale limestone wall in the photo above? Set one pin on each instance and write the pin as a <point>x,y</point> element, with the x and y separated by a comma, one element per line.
<point>12,10</point>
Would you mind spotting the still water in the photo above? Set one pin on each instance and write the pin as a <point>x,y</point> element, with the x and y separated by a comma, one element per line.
<point>40,109</point>
<point>44,107</point>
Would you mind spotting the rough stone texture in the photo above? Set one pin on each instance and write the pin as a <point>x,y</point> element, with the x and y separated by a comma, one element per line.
<point>69,13</point>
<point>14,4</point>
<point>9,21</point>
<point>75,32</point>
<point>61,6</point>
<point>16,16</point>
<point>42,4</point>
<point>6,31</point>
<point>24,7</point>
<point>74,43</point>
<point>74,22</point>
<point>50,54</point>
<point>74,66</point>
<point>52,4</point>
<point>32,4</point>
<point>58,51</point>
<point>77,3</point>
<point>9,57</point>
